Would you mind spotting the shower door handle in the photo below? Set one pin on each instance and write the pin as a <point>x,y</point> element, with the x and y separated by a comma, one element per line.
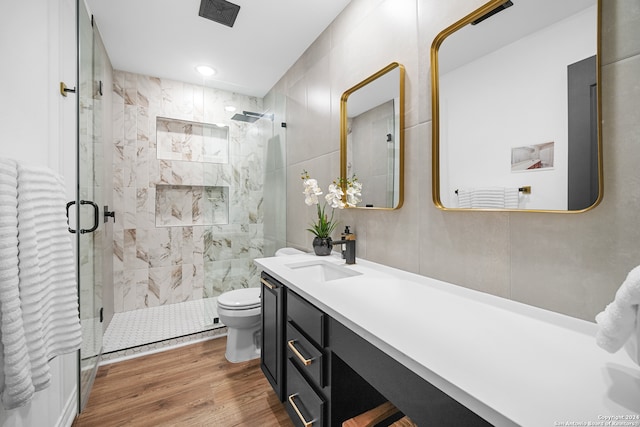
<point>69,204</point>
<point>96,217</point>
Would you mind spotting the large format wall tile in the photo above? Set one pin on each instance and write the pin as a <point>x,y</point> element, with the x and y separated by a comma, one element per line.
<point>168,192</point>
<point>569,263</point>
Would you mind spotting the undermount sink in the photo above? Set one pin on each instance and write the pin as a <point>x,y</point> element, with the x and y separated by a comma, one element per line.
<point>324,271</point>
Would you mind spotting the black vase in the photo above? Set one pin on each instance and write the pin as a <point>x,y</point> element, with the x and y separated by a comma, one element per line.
<point>322,246</point>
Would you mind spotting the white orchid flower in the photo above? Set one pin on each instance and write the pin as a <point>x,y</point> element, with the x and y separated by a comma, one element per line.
<point>354,194</point>
<point>334,197</point>
<point>325,225</point>
<point>311,191</point>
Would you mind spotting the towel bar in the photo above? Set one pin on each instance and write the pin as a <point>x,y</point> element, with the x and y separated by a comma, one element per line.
<point>524,190</point>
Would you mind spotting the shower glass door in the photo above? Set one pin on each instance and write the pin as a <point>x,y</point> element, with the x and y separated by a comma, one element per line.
<point>255,208</point>
<point>90,228</point>
<point>275,179</point>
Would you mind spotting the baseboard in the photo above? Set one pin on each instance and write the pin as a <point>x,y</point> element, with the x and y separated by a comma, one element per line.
<point>70,410</point>
<point>157,347</point>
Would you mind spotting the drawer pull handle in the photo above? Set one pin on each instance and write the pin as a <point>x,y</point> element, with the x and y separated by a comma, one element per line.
<point>293,348</point>
<point>267,284</point>
<point>305,423</point>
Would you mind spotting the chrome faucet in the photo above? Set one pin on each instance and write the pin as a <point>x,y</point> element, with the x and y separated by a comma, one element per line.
<point>350,251</point>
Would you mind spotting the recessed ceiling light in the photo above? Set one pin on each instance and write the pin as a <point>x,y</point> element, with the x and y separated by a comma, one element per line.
<point>230,108</point>
<point>205,70</point>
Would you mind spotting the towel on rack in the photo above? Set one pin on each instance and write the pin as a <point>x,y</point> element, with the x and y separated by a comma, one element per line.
<point>16,385</point>
<point>488,198</point>
<point>45,282</point>
<point>511,198</point>
<point>619,320</point>
<point>464,198</point>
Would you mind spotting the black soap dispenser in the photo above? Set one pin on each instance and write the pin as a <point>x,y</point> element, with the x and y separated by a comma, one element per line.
<point>343,236</point>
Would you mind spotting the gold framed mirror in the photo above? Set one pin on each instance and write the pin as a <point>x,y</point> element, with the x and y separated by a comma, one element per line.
<point>372,137</point>
<point>516,108</point>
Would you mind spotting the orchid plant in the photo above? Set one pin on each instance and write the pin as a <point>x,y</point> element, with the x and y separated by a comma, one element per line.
<point>335,197</point>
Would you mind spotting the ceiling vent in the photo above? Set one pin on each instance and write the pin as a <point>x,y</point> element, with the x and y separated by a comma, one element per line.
<point>220,11</point>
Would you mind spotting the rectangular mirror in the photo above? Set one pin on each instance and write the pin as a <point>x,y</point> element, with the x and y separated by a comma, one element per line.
<point>516,111</point>
<point>372,137</point>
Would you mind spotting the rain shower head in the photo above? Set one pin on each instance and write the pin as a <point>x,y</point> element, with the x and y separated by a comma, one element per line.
<point>220,11</point>
<point>250,117</point>
<point>244,118</point>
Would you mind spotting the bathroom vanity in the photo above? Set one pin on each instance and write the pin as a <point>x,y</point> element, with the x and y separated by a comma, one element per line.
<point>354,336</point>
<point>325,373</point>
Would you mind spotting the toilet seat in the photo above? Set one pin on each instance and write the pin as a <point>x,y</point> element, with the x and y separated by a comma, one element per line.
<point>240,299</point>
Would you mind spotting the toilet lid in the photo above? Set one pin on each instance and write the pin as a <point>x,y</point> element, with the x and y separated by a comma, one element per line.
<point>240,299</point>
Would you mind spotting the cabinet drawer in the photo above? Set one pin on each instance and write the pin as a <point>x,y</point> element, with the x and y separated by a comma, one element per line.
<point>305,355</point>
<point>303,404</point>
<point>306,318</point>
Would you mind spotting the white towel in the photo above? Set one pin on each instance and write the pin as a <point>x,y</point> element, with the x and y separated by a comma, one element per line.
<point>45,284</point>
<point>632,345</point>
<point>488,198</point>
<point>464,198</point>
<point>618,320</point>
<point>16,385</point>
<point>511,198</point>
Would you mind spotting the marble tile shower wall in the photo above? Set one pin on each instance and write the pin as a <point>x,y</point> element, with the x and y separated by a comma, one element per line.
<point>186,260</point>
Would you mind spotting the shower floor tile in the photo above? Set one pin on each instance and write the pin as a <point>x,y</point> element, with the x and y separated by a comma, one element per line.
<point>139,327</point>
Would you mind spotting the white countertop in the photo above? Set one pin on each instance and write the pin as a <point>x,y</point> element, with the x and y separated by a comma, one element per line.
<point>511,363</point>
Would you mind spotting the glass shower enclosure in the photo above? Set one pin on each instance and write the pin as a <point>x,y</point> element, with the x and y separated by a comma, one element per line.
<point>89,205</point>
<point>248,207</point>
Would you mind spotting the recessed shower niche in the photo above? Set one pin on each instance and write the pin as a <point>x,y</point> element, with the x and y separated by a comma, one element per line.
<point>191,141</point>
<point>187,205</point>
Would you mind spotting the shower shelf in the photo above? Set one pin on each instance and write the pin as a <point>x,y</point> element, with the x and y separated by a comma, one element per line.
<point>188,205</point>
<point>191,141</point>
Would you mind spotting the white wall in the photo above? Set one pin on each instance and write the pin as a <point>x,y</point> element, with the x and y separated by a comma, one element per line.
<point>37,46</point>
<point>519,99</point>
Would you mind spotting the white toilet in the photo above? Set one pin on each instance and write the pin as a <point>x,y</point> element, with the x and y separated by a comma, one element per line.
<point>239,311</point>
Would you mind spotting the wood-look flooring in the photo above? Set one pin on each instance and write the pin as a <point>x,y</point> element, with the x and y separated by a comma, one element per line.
<point>189,386</point>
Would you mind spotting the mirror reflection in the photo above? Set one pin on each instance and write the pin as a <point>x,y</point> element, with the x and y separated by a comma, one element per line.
<point>372,137</point>
<point>515,108</point>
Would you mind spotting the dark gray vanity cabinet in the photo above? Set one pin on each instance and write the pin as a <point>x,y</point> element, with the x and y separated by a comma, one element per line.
<point>272,338</point>
<point>320,389</point>
<point>325,373</point>
<point>308,391</point>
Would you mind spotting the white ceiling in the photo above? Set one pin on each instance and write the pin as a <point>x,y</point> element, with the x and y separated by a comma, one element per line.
<point>167,39</point>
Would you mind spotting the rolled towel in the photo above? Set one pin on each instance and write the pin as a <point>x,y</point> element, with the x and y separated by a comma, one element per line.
<point>618,320</point>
